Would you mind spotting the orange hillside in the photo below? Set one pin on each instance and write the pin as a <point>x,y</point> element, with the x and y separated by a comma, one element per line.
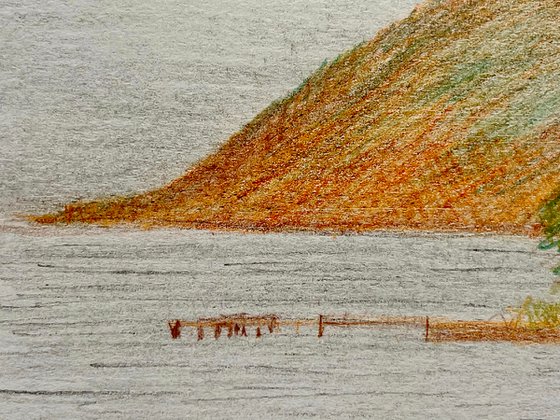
<point>448,120</point>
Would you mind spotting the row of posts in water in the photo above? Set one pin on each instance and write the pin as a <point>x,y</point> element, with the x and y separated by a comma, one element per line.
<point>236,325</point>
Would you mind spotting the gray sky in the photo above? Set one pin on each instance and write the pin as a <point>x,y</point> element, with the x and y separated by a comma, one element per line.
<point>100,98</point>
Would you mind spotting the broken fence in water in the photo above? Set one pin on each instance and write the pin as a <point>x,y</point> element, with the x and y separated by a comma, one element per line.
<point>240,324</point>
<point>434,330</point>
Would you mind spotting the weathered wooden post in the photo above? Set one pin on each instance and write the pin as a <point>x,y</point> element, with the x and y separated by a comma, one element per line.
<point>243,331</point>
<point>236,329</point>
<point>427,328</point>
<point>200,332</point>
<point>258,333</point>
<point>230,330</point>
<point>175,329</point>
<point>217,331</point>
<point>321,326</point>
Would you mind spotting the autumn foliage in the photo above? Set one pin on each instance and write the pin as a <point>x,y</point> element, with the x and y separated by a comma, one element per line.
<point>447,120</point>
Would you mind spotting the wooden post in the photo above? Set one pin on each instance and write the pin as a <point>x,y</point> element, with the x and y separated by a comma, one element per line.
<point>200,332</point>
<point>229,330</point>
<point>427,328</point>
<point>175,329</point>
<point>321,326</point>
<point>243,331</point>
<point>217,331</point>
<point>258,332</point>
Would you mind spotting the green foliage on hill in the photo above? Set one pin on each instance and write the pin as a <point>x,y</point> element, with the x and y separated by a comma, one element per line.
<point>550,216</point>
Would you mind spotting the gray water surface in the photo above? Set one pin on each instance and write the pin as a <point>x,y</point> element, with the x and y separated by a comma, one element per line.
<point>83,331</point>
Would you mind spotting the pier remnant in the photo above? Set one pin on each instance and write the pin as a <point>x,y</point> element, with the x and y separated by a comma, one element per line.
<point>200,332</point>
<point>217,331</point>
<point>321,326</point>
<point>434,329</point>
<point>175,328</point>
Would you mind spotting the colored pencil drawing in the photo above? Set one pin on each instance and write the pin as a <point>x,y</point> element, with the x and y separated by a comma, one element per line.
<point>447,121</point>
<point>280,208</point>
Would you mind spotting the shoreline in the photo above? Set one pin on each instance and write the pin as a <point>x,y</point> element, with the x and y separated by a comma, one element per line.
<point>25,225</point>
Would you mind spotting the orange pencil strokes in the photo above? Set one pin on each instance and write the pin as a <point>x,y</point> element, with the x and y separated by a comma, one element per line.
<point>448,120</point>
<point>436,329</point>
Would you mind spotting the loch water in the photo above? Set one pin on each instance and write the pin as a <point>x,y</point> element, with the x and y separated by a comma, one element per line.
<point>116,97</point>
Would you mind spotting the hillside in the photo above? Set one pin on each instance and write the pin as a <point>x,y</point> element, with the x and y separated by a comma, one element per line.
<point>447,120</point>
